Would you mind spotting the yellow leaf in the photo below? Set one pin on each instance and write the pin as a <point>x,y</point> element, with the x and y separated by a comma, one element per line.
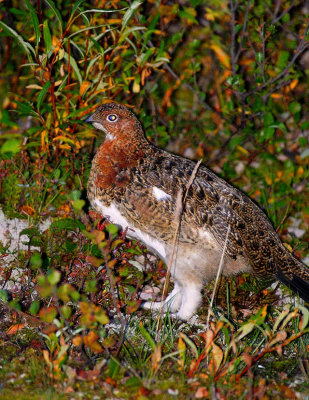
<point>65,147</point>
<point>222,55</point>
<point>243,150</point>
<point>217,356</point>
<point>156,358</point>
<point>46,356</point>
<point>114,21</point>
<point>64,138</point>
<point>83,87</point>
<point>182,352</point>
<point>300,172</point>
<point>34,86</point>
<point>136,87</point>
<point>289,247</point>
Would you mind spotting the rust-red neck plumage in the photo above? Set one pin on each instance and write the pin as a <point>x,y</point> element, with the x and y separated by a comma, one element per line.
<point>123,146</point>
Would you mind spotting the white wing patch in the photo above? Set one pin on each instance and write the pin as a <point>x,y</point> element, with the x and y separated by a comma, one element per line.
<point>159,194</point>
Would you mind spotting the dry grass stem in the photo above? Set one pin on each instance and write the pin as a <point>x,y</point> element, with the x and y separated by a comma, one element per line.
<point>218,276</point>
<point>180,201</point>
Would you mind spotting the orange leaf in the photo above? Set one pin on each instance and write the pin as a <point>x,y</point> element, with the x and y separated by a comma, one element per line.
<point>83,87</point>
<point>91,337</point>
<point>27,210</point>
<point>217,356</point>
<point>221,54</point>
<point>14,329</point>
<point>77,340</point>
<point>276,95</point>
<point>43,140</point>
<point>202,393</point>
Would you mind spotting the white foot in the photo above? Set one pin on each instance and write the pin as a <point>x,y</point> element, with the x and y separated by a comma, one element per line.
<point>171,303</point>
<point>191,299</point>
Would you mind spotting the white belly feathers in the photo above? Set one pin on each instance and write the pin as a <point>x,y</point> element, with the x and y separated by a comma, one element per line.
<point>115,217</point>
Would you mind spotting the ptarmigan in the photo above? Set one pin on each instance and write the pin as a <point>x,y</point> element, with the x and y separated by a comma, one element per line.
<point>135,185</point>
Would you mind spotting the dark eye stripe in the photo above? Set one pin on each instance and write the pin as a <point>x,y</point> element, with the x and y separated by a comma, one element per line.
<point>112,117</point>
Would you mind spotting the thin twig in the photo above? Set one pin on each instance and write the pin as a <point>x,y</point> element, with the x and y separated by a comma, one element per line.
<point>302,46</point>
<point>243,32</point>
<point>218,275</point>
<point>287,10</point>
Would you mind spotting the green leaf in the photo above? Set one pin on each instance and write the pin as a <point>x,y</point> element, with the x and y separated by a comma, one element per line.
<point>35,22</point>
<point>56,12</point>
<point>189,14</point>
<point>3,296</point>
<point>112,229</point>
<point>75,7</point>
<point>130,11</point>
<point>74,66</point>
<point>147,336</point>
<point>295,107</point>
<point>91,286</point>
<point>268,119</point>
<point>30,232</point>
<point>66,311</point>
<point>67,224</point>
<point>34,308</point>
<point>42,94</point>
<point>79,204</point>
<point>54,277</point>
<point>145,56</point>
<point>26,46</point>
<point>57,173</point>
<point>283,59</point>
<point>259,57</point>
<point>47,36</point>
<point>75,195</point>
<point>133,382</point>
<point>124,35</point>
<point>36,260</point>
<point>11,146</point>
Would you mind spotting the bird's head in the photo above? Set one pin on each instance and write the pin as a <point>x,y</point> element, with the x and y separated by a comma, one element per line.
<point>117,122</point>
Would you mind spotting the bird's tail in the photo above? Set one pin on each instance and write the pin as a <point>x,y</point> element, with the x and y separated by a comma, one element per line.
<point>295,275</point>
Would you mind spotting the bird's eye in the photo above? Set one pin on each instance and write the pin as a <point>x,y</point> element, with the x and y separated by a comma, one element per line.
<point>112,118</point>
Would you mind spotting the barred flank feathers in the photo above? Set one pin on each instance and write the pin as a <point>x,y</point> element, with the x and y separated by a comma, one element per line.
<point>298,280</point>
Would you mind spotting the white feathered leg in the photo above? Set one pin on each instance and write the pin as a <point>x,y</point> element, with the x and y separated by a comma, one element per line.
<point>191,300</point>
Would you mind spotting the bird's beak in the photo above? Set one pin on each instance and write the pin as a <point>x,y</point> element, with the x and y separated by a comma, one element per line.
<point>89,118</point>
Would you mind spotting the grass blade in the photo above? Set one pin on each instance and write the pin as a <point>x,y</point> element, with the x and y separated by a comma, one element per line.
<point>26,46</point>
<point>74,66</point>
<point>35,22</point>
<point>47,37</point>
<point>130,11</point>
<point>42,94</point>
<point>56,12</point>
<point>75,7</point>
